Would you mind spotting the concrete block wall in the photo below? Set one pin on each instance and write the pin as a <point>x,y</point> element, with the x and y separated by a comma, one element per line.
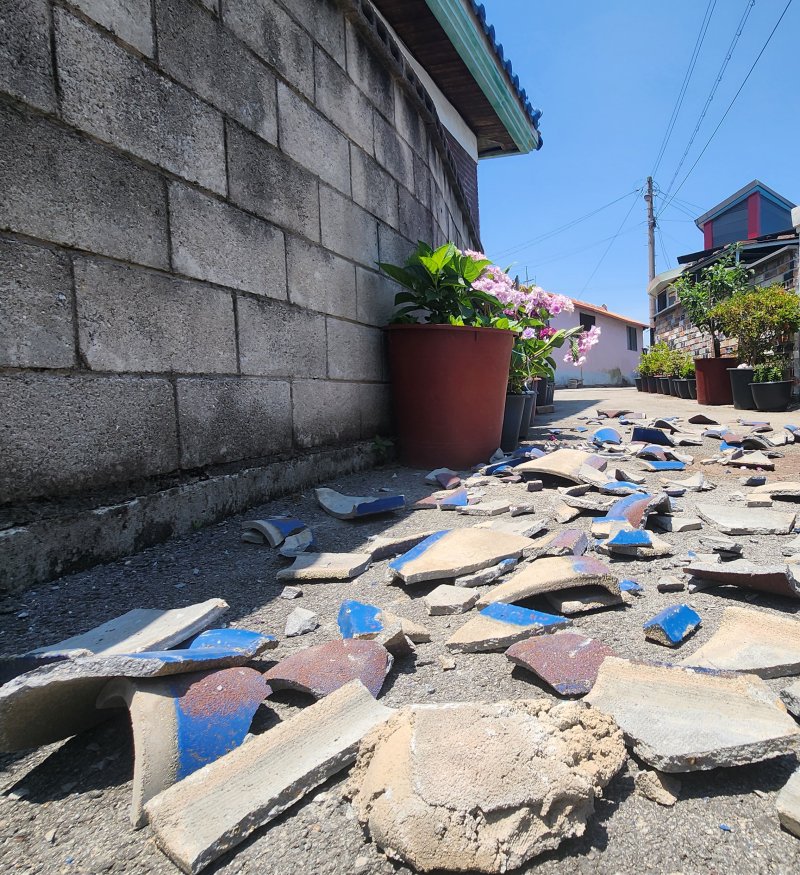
<point>193,199</point>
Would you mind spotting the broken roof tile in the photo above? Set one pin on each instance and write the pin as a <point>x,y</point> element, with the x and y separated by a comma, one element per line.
<point>672,626</point>
<point>348,507</point>
<point>498,626</point>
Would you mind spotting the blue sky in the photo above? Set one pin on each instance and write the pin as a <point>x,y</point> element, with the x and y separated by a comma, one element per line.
<point>606,77</point>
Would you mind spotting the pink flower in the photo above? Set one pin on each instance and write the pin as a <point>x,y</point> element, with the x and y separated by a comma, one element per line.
<point>528,333</point>
<point>544,333</point>
<point>475,256</point>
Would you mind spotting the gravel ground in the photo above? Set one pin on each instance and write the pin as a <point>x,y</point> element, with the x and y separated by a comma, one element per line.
<point>66,807</point>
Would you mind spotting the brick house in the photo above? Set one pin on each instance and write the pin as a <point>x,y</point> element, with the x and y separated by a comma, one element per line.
<point>193,199</point>
<point>757,218</point>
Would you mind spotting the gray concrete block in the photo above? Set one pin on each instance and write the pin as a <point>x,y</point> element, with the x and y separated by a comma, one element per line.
<point>347,229</point>
<point>369,72</point>
<point>441,217</point>
<point>374,404</point>
<point>409,122</point>
<point>276,340</point>
<point>373,188</point>
<point>394,153</point>
<point>26,69</point>
<point>393,248</point>
<point>131,319</point>
<point>121,100</point>
<point>325,412</point>
<point>57,186</point>
<point>320,280</point>
<point>229,419</point>
<point>340,100</point>
<point>198,51</point>
<point>375,296</point>
<point>128,19</point>
<point>67,434</point>
<point>323,19</point>
<point>271,33</point>
<point>266,182</point>
<point>214,241</point>
<point>422,182</point>
<point>416,222</point>
<point>36,327</point>
<point>213,5</point>
<point>355,352</point>
<point>312,140</point>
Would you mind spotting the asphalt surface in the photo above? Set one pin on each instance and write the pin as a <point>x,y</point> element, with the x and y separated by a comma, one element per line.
<point>65,808</point>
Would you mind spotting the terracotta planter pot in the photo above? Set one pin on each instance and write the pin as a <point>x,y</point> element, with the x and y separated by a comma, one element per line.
<point>448,392</point>
<point>512,420</point>
<point>713,383</point>
<point>772,396</point>
<point>741,378</point>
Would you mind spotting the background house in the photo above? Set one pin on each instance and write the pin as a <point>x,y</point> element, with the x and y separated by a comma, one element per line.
<point>613,360</point>
<point>193,199</point>
<point>760,221</point>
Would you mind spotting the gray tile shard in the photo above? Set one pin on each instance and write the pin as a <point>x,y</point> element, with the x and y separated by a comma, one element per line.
<point>746,521</point>
<point>300,622</point>
<point>678,719</point>
<point>446,599</point>
<point>752,641</point>
<point>788,805</point>
<point>326,566</point>
<point>790,696</point>
<point>198,819</point>
<point>382,547</point>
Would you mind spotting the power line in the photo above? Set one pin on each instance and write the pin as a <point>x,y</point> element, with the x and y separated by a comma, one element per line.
<point>581,249</point>
<point>685,84</point>
<point>611,241</point>
<point>520,246</point>
<point>663,247</point>
<point>714,87</point>
<point>730,105</point>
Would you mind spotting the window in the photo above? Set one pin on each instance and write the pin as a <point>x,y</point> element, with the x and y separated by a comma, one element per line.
<point>586,320</point>
<point>632,338</point>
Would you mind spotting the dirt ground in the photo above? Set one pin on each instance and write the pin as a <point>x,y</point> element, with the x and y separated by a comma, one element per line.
<point>65,808</point>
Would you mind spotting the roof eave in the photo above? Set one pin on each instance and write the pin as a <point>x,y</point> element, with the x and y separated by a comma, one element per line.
<point>464,31</point>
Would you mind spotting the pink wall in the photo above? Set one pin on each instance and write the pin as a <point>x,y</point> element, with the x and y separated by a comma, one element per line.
<point>610,362</point>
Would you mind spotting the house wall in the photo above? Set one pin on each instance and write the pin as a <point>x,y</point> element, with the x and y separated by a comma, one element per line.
<point>193,199</point>
<point>610,362</point>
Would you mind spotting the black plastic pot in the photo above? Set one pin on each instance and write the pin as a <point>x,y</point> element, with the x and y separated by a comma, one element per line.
<point>638,382</point>
<point>741,378</point>
<point>652,384</point>
<point>663,385</point>
<point>549,391</point>
<point>527,411</point>
<point>512,419</point>
<point>682,388</point>
<point>772,396</point>
<point>692,388</point>
<point>673,389</point>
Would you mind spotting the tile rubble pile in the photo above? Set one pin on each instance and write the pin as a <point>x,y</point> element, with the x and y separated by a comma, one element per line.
<point>526,775</point>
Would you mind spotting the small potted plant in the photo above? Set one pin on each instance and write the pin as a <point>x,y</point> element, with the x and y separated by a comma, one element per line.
<point>684,369</point>
<point>771,391</point>
<point>761,319</point>
<point>643,372</point>
<point>699,298</point>
<point>659,362</point>
<point>449,351</point>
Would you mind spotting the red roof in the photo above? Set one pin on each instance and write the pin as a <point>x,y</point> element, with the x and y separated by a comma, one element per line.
<point>593,308</point>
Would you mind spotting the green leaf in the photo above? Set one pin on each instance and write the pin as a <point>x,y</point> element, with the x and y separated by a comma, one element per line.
<point>399,274</point>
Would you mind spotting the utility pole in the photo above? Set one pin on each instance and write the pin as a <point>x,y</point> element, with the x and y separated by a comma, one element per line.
<point>651,229</point>
<point>651,253</point>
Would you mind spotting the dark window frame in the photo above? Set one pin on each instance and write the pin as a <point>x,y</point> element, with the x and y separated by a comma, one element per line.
<point>632,339</point>
<point>586,320</point>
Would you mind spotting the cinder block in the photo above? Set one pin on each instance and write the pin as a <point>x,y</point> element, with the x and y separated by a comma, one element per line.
<point>374,404</point>
<point>394,153</point>
<point>36,328</point>
<point>355,352</point>
<point>229,419</point>
<point>393,248</point>
<point>271,33</point>
<point>373,188</point>
<point>57,186</point>
<point>319,280</point>
<point>276,340</point>
<point>347,229</point>
<point>369,73</point>
<point>439,210</point>
<point>323,19</point>
<point>201,53</point>
<point>409,122</point>
<point>375,297</point>
<point>119,99</point>
<point>62,435</point>
<point>214,241</point>
<point>339,99</point>
<point>416,222</point>
<point>325,412</point>
<point>312,140</point>
<point>131,319</point>
<point>128,19</point>
<point>26,69</point>
<point>422,182</point>
<point>266,182</point>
